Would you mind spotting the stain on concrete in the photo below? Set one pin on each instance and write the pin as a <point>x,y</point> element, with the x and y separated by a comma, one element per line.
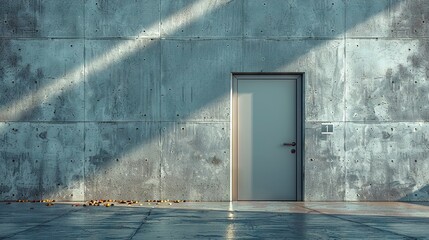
<point>103,157</point>
<point>385,134</point>
<point>381,168</point>
<point>4,189</point>
<point>19,18</point>
<point>43,135</point>
<point>191,165</point>
<point>409,79</point>
<point>35,65</point>
<point>8,64</point>
<point>395,88</point>
<point>411,19</point>
<point>14,60</point>
<point>19,78</point>
<point>24,73</point>
<point>40,74</point>
<point>215,161</point>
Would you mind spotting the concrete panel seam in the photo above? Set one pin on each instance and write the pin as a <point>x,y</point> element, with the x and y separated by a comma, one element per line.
<point>84,104</point>
<point>389,38</point>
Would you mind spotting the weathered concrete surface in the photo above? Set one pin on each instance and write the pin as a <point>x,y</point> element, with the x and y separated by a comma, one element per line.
<point>122,160</point>
<point>129,89</point>
<point>41,160</point>
<point>324,83</point>
<point>387,80</point>
<point>386,102</point>
<point>221,18</point>
<point>42,18</point>
<point>373,18</point>
<point>380,164</point>
<point>324,163</point>
<point>200,93</point>
<point>93,72</point>
<point>293,18</point>
<point>29,69</point>
<point>387,18</point>
<point>116,18</point>
<point>195,161</point>
<point>261,220</point>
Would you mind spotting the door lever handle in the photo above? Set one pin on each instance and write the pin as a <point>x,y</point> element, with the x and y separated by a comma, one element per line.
<point>293,144</point>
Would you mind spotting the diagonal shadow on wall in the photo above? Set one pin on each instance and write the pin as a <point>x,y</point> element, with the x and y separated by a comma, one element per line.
<point>172,142</point>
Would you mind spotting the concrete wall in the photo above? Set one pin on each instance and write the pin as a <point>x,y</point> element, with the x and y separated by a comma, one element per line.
<point>131,99</point>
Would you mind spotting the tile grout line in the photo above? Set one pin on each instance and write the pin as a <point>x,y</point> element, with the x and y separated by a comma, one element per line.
<point>356,222</point>
<point>39,225</point>
<point>141,224</point>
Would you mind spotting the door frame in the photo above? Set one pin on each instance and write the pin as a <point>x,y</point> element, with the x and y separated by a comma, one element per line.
<point>299,76</point>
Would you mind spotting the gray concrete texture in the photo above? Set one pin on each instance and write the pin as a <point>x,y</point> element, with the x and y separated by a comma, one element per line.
<point>131,99</point>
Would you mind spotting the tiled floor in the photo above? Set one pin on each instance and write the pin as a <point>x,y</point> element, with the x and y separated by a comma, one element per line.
<point>238,220</point>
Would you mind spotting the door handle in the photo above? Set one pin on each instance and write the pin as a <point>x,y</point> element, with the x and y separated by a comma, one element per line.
<point>293,144</point>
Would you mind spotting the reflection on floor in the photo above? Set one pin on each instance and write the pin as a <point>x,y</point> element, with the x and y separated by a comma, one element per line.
<point>262,220</point>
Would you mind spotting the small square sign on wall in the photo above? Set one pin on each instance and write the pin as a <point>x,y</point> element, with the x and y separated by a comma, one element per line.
<point>327,128</point>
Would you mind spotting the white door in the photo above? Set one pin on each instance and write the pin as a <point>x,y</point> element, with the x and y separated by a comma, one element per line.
<point>267,137</point>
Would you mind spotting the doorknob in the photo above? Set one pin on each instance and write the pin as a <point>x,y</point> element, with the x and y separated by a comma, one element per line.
<point>293,144</point>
